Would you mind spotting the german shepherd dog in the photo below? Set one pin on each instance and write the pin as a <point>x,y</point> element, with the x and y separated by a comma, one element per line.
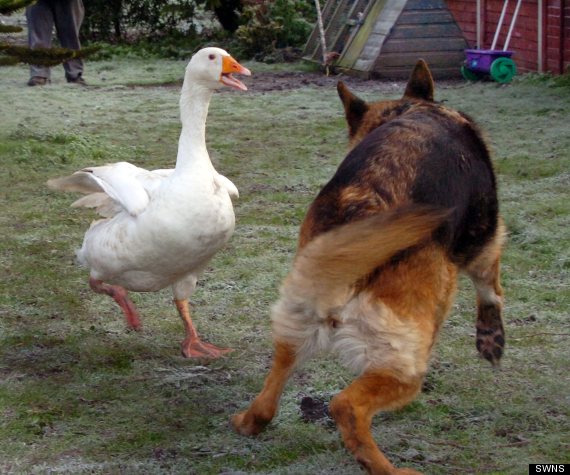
<point>375,274</point>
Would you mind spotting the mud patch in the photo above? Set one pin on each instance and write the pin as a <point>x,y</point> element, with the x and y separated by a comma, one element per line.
<point>314,410</point>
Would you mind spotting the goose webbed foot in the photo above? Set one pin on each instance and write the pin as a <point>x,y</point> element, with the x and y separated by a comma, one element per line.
<point>196,348</point>
<point>193,346</point>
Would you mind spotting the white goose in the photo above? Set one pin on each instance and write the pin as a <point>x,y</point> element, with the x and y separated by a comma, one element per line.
<point>162,227</point>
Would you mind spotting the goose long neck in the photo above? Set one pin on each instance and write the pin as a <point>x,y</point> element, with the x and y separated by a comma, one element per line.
<point>194,105</point>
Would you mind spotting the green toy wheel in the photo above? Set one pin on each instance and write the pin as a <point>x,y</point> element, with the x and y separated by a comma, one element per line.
<point>469,74</point>
<point>503,69</point>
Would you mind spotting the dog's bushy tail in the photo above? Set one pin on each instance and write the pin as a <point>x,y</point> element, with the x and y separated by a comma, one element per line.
<point>337,259</point>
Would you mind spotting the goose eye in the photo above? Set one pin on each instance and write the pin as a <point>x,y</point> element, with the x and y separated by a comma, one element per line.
<point>212,57</point>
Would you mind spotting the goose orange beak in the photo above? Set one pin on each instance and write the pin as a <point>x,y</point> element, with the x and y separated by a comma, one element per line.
<point>229,67</point>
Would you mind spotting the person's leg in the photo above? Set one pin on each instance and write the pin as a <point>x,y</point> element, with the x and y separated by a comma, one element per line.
<point>68,18</point>
<point>40,30</point>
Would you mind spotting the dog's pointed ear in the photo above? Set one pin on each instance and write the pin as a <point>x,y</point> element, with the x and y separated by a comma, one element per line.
<point>420,85</point>
<point>354,107</point>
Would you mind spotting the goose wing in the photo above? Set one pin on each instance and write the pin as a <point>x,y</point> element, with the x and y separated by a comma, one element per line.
<point>226,183</point>
<point>112,188</point>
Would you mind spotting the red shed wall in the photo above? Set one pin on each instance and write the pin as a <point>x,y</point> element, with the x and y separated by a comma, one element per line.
<point>524,40</point>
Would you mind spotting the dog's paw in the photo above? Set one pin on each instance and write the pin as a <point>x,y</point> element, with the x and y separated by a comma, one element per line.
<point>490,332</point>
<point>491,342</point>
<point>246,424</point>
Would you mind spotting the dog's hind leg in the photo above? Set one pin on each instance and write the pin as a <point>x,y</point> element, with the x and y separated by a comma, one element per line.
<point>264,407</point>
<point>484,271</point>
<point>354,408</point>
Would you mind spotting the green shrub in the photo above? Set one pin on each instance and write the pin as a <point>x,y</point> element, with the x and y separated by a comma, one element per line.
<point>117,20</point>
<point>271,25</point>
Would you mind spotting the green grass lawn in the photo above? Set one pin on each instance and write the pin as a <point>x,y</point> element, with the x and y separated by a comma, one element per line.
<point>81,394</point>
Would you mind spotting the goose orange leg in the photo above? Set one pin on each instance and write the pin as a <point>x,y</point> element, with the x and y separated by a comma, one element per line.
<point>119,295</point>
<point>192,346</point>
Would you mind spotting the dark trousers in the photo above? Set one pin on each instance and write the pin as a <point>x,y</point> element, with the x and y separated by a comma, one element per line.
<point>67,16</point>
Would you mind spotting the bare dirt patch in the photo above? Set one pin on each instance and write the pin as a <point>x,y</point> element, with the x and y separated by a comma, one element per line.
<point>283,81</point>
<point>288,80</point>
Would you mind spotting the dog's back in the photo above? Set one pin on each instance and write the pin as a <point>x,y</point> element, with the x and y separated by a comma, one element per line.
<point>412,151</point>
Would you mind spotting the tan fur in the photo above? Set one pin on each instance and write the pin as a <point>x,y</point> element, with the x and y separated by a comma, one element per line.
<point>484,270</point>
<point>318,293</point>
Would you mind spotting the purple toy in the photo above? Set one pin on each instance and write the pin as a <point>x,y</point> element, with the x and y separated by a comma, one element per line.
<point>495,62</point>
